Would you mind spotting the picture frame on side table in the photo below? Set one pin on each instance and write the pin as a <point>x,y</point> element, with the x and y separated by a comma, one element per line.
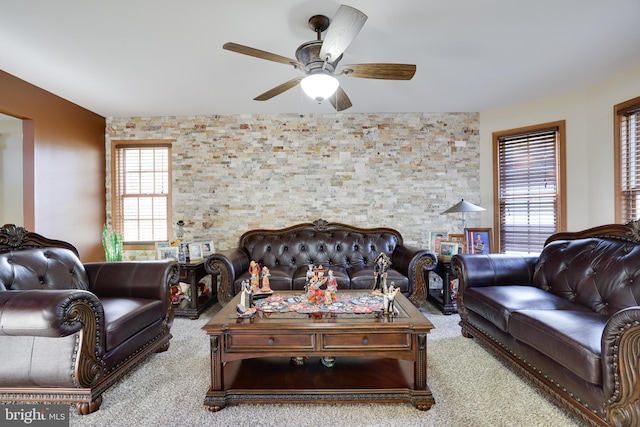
<point>183,252</point>
<point>460,240</point>
<point>478,240</point>
<point>195,252</point>
<point>167,252</point>
<point>207,246</point>
<point>447,250</point>
<point>435,237</point>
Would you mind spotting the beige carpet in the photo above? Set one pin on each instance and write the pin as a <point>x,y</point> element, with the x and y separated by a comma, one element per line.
<point>470,387</point>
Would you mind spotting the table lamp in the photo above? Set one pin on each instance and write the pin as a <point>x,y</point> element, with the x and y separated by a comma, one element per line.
<point>464,207</point>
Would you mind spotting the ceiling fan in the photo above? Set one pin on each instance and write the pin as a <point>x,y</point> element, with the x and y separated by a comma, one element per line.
<point>318,60</point>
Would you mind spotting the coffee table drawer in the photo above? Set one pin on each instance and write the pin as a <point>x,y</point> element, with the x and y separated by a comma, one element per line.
<point>373,341</point>
<point>268,342</point>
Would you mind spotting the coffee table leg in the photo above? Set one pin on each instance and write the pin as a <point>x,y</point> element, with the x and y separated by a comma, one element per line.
<point>214,400</point>
<point>422,398</point>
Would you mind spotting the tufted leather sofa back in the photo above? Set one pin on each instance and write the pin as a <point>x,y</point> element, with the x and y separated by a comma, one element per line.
<point>599,273</point>
<point>339,248</point>
<point>42,268</point>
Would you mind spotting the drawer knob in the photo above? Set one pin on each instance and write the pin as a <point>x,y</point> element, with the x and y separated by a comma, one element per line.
<point>365,341</point>
<point>271,341</point>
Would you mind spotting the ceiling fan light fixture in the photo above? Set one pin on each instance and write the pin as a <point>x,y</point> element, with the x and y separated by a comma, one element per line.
<point>319,86</point>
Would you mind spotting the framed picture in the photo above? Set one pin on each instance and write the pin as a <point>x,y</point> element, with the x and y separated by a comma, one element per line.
<point>207,246</point>
<point>435,237</point>
<point>167,252</point>
<point>459,239</point>
<point>162,245</point>
<point>195,252</point>
<point>478,240</point>
<point>447,250</point>
<point>183,251</point>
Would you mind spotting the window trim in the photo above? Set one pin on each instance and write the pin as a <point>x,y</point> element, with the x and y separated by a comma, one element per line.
<point>619,110</point>
<point>117,144</point>
<point>561,213</point>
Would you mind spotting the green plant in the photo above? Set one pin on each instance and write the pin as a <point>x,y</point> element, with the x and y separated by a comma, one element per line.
<point>112,244</point>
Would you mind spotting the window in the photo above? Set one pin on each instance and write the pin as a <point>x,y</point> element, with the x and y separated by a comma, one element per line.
<point>141,190</point>
<point>627,160</point>
<point>529,186</point>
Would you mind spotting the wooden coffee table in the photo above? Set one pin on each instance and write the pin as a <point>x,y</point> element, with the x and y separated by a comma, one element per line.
<point>378,358</point>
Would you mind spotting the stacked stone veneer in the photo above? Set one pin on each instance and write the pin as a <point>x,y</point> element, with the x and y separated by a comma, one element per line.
<point>234,173</point>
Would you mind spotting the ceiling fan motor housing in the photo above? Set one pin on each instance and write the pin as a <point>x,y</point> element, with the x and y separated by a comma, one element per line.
<point>309,55</point>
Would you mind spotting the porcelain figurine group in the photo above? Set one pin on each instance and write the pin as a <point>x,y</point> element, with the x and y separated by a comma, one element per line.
<point>253,287</point>
<point>315,280</point>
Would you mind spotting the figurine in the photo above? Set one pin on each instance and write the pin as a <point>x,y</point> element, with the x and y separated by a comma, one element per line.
<point>389,299</point>
<point>315,293</point>
<point>266,288</point>
<point>246,297</point>
<point>246,308</point>
<point>254,271</point>
<point>328,361</point>
<point>380,267</point>
<point>332,287</point>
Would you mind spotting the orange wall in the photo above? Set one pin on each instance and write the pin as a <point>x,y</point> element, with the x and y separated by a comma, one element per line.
<point>64,165</point>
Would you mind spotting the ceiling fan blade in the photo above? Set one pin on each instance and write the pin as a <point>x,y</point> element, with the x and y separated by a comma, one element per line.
<point>343,29</point>
<point>278,89</point>
<point>379,71</point>
<point>340,101</point>
<point>246,50</point>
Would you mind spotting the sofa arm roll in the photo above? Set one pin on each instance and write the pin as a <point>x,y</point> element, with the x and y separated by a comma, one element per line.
<point>620,366</point>
<point>229,265</point>
<point>412,262</point>
<point>49,313</point>
<point>480,270</point>
<point>141,279</point>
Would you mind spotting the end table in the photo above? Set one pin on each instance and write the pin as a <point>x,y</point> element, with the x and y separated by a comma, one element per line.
<point>445,297</point>
<point>191,274</point>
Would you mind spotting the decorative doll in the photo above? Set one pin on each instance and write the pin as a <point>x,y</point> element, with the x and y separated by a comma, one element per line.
<point>389,299</point>
<point>266,288</point>
<point>315,293</point>
<point>332,288</point>
<point>380,267</point>
<point>254,271</point>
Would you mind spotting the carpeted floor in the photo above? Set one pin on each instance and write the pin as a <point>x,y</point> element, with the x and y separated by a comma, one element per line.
<point>471,388</point>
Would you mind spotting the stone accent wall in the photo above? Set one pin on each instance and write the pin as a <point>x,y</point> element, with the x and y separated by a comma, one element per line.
<point>239,172</point>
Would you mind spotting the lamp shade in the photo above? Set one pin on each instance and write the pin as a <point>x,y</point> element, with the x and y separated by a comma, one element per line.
<point>319,86</point>
<point>463,206</point>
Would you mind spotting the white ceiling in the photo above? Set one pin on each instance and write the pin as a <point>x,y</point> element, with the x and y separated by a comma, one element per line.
<point>164,57</point>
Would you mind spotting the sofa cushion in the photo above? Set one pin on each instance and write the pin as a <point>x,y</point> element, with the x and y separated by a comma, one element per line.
<point>496,303</point>
<point>363,278</point>
<point>571,338</point>
<point>123,317</point>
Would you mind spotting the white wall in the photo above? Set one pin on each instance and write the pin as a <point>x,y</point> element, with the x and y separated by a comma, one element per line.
<point>589,125</point>
<point>11,206</point>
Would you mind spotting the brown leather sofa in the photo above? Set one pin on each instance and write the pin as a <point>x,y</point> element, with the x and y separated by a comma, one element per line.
<point>348,251</point>
<point>69,331</point>
<point>568,320</point>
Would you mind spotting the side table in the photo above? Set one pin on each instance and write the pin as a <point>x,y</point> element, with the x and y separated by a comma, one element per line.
<point>444,297</point>
<point>196,301</point>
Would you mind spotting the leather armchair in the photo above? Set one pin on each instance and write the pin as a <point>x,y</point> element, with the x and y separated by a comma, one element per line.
<point>69,331</point>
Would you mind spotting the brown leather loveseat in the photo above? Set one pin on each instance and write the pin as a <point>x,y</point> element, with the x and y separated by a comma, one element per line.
<point>568,320</point>
<point>69,331</point>
<point>348,251</point>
